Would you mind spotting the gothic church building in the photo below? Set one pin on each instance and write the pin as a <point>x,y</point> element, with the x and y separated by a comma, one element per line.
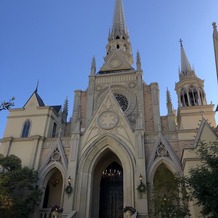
<point>116,138</point>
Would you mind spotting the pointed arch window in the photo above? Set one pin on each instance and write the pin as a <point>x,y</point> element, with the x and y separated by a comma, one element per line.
<point>202,96</point>
<point>26,129</point>
<point>184,98</point>
<point>193,95</point>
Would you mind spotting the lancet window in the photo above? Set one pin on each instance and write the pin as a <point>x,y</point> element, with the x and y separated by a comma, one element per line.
<point>26,129</point>
<point>183,98</point>
<point>192,96</point>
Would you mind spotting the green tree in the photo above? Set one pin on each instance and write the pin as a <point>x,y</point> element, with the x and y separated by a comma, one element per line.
<point>203,180</point>
<point>6,105</point>
<point>169,196</point>
<point>18,191</point>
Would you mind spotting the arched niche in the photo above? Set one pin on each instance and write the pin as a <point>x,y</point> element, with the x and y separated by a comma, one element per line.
<point>97,157</point>
<point>52,179</point>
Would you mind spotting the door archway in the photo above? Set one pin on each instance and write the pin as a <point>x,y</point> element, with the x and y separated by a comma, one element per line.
<point>96,158</point>
<point>111,192</point>
<point>107,191</point>
<point>53,190</point>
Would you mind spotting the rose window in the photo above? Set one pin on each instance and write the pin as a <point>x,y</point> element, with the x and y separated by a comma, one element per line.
<point>122,100</point>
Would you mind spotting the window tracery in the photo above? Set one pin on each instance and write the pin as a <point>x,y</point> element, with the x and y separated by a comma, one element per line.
<point>122,100</point>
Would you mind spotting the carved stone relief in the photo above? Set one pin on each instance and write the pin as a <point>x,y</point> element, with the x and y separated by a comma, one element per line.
<point>108,120</point>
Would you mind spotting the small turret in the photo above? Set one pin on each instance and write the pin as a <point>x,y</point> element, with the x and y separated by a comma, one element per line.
<point>169,103</point>
<point>93,67</point>
<point>65,111</point>
<point>190,89</point>
<point>138,62</point>
<point>191,97</point>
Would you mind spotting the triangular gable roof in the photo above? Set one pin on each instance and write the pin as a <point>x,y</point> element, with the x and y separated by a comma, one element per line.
<point>56,154</point>
<point>116,62</point>
<point>205,133</point>
<point>163,151</point>
<point>38,102</point>
<point>36,98</point>
<point>109,119</point>
<point>57,108</point>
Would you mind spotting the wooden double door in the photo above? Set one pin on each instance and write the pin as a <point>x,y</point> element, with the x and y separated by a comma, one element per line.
<point>111,192</point>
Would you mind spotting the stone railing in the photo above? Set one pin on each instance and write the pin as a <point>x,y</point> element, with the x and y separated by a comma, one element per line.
<point>45,213</point>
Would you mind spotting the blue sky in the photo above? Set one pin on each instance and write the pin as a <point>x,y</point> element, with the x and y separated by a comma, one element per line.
<point>53,42</point>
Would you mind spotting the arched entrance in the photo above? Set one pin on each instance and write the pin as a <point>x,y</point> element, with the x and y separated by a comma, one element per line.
<point>53,190</point>
<point>108,187</point>
<point>96,159</point>
<point>111,192</point>
<point>166,194</point>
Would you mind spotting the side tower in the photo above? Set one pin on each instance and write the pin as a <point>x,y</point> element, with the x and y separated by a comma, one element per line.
<point>191,97</point>
<point>28,127</point>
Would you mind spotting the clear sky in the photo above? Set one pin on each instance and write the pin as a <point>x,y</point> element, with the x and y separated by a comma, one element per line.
<point>53,42</point>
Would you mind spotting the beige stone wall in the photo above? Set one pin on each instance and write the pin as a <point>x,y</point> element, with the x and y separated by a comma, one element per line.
<point>84,108</point>
<point>148,109</point>
<point>190,117</point>
<point>190,160</point>
<point>27,149</point>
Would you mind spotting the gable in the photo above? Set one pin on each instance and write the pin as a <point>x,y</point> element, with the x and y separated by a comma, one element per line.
<point>163,153</point>
<point>116,61</point>
<point>55,155</point>
<point>205,133</point>
<point>109,119</point>
<point>34,101</point>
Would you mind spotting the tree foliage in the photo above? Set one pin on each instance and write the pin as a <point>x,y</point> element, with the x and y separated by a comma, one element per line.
<point>203,180</point>
<point>6,105</point>
<point>169,196</point>
<point>18,191</point>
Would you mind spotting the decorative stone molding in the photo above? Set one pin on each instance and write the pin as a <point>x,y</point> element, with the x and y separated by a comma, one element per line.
<point>56,156</point>
<point>118,89</point>
<point>108,120</point>
<point>132,85</point>
<point>64,141</point>
<point>118,78</point>
<point>153,137</point>
<point>98,88</point>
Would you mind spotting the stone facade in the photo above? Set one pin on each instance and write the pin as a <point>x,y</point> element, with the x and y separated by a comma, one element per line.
<point>115,121</point>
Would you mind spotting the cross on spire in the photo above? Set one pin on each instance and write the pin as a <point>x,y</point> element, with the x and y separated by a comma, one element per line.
<point>181,42</point>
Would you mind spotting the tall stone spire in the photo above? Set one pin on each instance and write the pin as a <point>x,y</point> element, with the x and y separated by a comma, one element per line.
<point>190,88</point>
<point>119,50</point>
<point>119,27</point>
<point>186,70</point>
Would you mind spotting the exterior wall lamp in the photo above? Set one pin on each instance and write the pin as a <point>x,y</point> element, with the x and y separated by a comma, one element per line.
<point>141,187</point>
<point>69,180</point>
<point>69,187</point>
